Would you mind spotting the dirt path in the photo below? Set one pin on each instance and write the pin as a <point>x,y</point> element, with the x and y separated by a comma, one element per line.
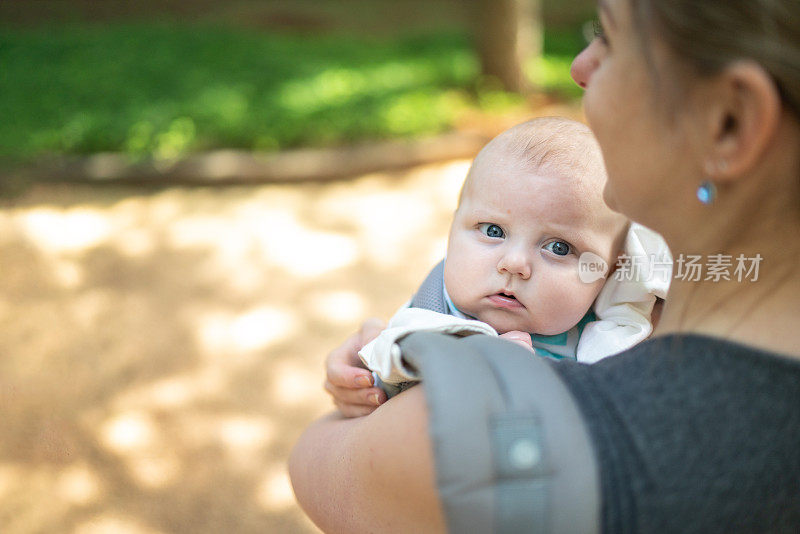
<point>161,350</point>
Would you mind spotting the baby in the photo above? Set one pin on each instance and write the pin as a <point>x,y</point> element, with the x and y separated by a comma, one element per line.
<point>528,255</point>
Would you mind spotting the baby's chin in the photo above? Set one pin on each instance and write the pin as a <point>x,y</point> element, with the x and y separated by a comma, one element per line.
<point>503,325</point>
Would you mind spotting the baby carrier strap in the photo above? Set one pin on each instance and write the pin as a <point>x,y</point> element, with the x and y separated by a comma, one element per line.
<point>511,449</point>
<point>430,294</point>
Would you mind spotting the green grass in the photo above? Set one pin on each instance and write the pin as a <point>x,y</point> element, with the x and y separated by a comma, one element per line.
<point>153,90</point>
<point>551,71</point>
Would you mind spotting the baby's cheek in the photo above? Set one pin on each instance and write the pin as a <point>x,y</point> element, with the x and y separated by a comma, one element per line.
<point>457,282</point>
<point>582,299</point>
<point>569,300</point>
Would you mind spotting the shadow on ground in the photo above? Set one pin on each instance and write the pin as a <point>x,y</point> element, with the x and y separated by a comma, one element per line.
<point>161,350</point>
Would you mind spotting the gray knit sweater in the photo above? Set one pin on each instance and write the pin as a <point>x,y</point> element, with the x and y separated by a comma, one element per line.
<point>694,434</point>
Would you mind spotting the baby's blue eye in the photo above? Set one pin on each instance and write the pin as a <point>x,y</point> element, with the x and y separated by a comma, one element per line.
<point>559,248</point>
<point>492,230</point>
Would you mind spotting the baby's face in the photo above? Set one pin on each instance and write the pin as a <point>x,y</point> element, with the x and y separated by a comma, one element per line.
<point>514,245</point>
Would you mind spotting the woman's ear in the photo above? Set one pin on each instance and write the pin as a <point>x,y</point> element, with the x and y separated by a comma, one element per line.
<point>742,122</point>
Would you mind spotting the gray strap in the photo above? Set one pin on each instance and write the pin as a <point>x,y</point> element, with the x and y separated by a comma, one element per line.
<point>512,451</point>
<point>430,294</point>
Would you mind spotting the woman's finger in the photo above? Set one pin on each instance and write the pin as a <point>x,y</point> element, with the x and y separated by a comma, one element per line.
<point>343,366</point>
<point>361,396</point>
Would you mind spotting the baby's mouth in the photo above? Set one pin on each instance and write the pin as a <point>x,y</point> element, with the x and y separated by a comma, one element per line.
<point>505,300</point>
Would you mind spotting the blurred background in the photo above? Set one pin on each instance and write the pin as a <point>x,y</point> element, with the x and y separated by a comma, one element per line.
<point>198,200</point>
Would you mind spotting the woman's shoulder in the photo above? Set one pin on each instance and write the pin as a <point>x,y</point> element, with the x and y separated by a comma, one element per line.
<point>691,366</point>
<point>680,434</point>
<point>683,346</point>
<point>676,382</point>
<point>692,426</point>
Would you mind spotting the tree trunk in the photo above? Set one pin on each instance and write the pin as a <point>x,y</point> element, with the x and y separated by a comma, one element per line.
<point>509,34</point>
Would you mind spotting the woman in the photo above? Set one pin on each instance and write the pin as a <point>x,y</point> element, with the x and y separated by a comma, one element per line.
<point>696,105</point>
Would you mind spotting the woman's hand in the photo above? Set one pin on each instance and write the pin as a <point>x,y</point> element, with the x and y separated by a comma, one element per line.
<point>347,381</point>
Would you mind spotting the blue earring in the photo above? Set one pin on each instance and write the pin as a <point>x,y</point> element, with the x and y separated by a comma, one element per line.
<point>707,192</point>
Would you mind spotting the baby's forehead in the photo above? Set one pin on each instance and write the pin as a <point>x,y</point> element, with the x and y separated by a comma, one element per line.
<point>565,198</point>
<point>512,174</point>
<point>550,162</point>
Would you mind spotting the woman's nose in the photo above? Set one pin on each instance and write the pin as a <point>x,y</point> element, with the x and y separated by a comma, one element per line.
<point>584,65</point>
<point>515,263</point>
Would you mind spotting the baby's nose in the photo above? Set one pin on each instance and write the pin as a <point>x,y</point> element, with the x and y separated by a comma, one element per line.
<point>516,263</point>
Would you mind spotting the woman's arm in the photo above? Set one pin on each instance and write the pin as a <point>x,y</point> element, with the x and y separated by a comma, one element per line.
<point>373,473</point>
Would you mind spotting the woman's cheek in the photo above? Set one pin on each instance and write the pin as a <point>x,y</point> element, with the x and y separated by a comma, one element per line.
<point>608,196</point>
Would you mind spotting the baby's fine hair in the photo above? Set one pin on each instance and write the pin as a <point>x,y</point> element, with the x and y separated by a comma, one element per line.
<point>551,144</point>
<point>554,143</point>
